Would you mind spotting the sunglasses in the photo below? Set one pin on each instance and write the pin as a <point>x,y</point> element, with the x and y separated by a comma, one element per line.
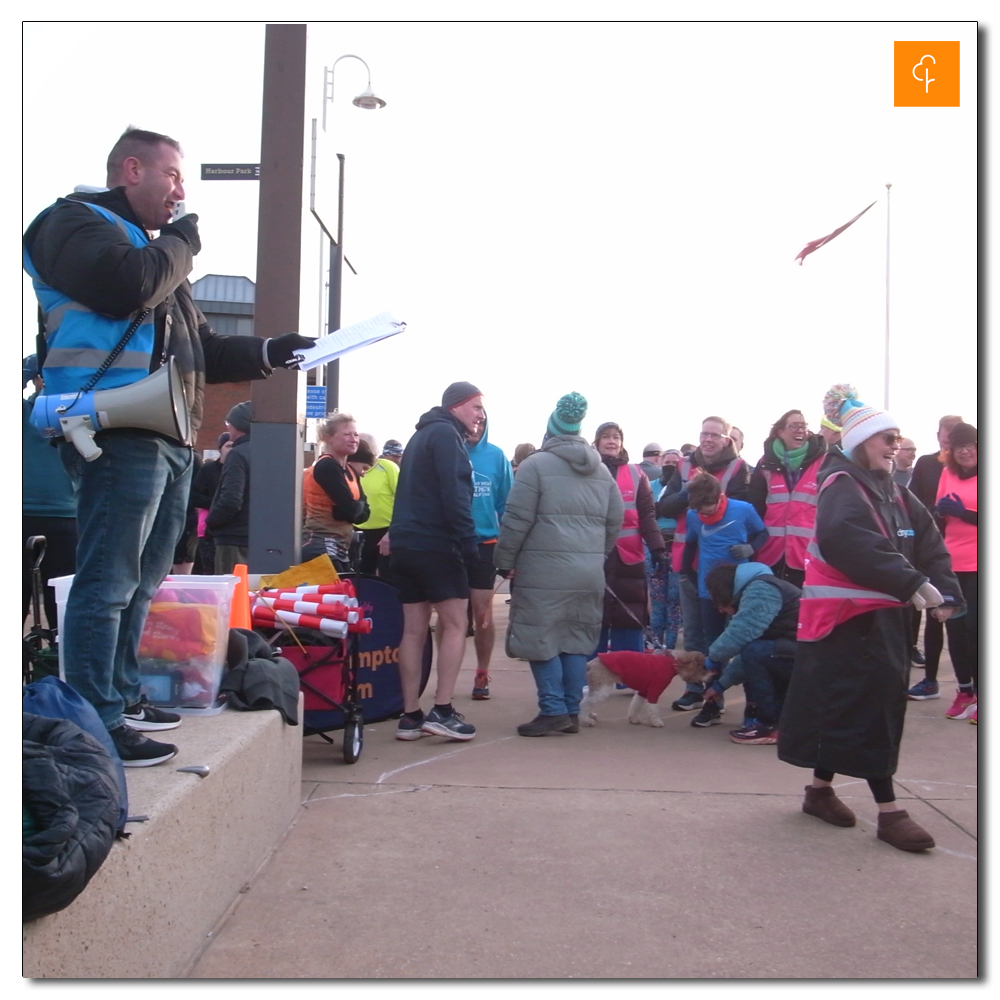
<point>891,439</point>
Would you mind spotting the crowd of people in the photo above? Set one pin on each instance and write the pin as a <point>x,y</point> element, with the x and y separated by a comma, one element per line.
<point>802,577</point>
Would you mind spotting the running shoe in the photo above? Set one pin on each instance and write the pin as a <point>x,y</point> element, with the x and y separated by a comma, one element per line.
<point>452,727</point>
<point>756,735</point>
<point>963,706</point>
<point>923,690</point>
<point>145,717</point>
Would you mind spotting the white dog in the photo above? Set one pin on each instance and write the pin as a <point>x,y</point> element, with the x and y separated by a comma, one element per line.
<point>648,674</point>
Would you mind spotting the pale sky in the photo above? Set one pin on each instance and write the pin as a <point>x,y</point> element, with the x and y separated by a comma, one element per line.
<point>611,208</point>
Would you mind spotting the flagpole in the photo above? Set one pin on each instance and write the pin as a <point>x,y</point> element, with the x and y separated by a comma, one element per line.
<point>886,393</point>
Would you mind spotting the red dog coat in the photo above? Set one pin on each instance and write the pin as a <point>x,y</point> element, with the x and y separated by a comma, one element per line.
<point>646,673</point>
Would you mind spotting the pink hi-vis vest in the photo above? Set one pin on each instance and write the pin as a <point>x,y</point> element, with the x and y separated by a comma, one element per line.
<point>829,598</point>
<point>680,532</point>
<point>629,542</point>
<point>961,539</point>
<point>790,516</point>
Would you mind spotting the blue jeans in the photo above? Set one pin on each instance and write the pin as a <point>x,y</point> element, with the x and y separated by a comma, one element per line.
<point>560,683</point>
<point>694,637</point>
<point>614,639</point>
<point>765,679</point>
<point>131,507</point>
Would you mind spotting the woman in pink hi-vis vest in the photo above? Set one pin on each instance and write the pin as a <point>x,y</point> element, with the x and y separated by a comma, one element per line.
<point>874,552</point>
<point>626,600</point>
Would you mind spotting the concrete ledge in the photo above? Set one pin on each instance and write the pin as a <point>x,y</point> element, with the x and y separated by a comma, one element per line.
<point>149,910</point>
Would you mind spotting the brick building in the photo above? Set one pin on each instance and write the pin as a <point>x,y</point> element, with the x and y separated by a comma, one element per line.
<point>227,300</point>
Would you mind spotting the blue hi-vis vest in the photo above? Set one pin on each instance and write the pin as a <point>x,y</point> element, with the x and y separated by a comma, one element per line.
<point>78,340</point>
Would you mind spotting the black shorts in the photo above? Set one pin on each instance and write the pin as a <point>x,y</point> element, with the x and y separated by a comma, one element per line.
<point>428,576</point>
<point>485,574</point>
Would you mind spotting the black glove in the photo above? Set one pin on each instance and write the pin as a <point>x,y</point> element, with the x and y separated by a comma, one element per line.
<point>659,557</point>
<point>280,350</point>
<point>504,574</point>
<point>741,551</point>
<point>185,228</point>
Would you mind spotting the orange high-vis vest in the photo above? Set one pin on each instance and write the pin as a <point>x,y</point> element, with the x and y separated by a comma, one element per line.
<point>829,598</point>
<point>629,542</point>
<point>317,507</point>
<point>680,532</point>
<point>961,539</point>
<point>790,516</point>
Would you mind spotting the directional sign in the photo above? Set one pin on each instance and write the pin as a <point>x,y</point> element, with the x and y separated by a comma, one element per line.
<point>230,171</point>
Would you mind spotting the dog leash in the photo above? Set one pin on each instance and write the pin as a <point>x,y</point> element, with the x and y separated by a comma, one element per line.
<point>646,632</point>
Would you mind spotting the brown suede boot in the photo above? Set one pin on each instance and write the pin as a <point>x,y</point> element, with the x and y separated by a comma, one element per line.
<point>823,802</point>
<point>901,832</point>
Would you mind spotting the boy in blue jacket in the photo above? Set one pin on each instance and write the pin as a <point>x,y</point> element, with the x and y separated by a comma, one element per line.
<point>719,530</point>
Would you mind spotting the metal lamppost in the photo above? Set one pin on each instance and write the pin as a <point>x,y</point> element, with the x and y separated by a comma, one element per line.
<point>369,102</point>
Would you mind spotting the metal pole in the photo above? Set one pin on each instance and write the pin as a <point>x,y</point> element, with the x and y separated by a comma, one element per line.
<point>335,289</point>
<point>886,393</point>
<point>277,437</point>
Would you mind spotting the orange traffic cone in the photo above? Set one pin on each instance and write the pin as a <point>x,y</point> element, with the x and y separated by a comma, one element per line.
<point>239,611</point>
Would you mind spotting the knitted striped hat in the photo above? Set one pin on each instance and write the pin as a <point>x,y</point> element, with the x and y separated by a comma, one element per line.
<point>859,422</point>
<point>833,402</point>
<point>568,415</point>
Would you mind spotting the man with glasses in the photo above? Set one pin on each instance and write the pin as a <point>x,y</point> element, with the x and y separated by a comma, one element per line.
<point>905,458</point>
<point>716,455</point>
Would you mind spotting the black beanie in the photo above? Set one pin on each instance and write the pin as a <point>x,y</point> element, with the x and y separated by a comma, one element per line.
<point>458,393</point>
<point>239,417</point>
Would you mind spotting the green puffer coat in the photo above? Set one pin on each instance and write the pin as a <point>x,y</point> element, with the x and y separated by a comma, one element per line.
<point>562,518</point>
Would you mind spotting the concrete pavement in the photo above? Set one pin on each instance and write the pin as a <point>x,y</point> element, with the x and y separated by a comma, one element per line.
<point>619,852</point>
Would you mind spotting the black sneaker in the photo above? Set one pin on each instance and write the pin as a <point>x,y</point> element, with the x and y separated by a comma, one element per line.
<point>917,658</point>
<point>688,701</point>
<point>710,715</point>
<point>136,750</point>
<point>409,729</point>
<point>453,727</point>
<point>148,719</point>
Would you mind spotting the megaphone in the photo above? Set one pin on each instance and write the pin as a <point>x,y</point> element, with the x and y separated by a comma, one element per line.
<point>155,403</point>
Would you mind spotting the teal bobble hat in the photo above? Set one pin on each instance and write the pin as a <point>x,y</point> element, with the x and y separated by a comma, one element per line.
<point>568,415</point>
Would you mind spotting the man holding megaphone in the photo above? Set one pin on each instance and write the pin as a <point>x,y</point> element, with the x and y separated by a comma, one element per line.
<point>125,354</point>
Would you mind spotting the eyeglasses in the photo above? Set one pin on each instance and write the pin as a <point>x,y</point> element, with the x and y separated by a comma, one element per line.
<point>711,435</point>
<point>891,439</point>
<point>967,447</point>
<point>796,427</point>
<point>911,448</point>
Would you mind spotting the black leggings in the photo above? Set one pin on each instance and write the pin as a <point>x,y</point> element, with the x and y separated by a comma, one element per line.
<point>963,633</point>
<point>881,788</point>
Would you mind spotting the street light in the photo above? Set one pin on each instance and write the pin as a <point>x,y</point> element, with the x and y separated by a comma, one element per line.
<point>368,101</point>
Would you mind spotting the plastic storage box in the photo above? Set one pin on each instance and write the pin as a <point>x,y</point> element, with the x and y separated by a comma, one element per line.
<point>182,653</point>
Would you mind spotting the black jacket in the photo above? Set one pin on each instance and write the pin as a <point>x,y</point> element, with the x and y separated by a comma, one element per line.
<point>757,491</point>
<point>70,803</point>
<point>77,252</point>
<point>205,483</point>
<point>229,516</point>
<point>673,500</point>
<point>846,700</point>
<point>432,511</point>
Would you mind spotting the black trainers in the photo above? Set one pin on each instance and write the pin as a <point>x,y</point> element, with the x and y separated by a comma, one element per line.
<point>136,750</point>
<point>541,725</point>
<point>148,719</point>
<point>452,727</point>
<point>710,715</point>
<point>688,701</point>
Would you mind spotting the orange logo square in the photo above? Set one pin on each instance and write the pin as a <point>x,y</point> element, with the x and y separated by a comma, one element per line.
<point>925,75</point>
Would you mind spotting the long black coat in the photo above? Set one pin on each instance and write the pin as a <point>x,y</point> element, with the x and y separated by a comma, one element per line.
<point>846,701</point>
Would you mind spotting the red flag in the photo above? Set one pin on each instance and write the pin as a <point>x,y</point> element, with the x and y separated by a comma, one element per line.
<point>816,244</point>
